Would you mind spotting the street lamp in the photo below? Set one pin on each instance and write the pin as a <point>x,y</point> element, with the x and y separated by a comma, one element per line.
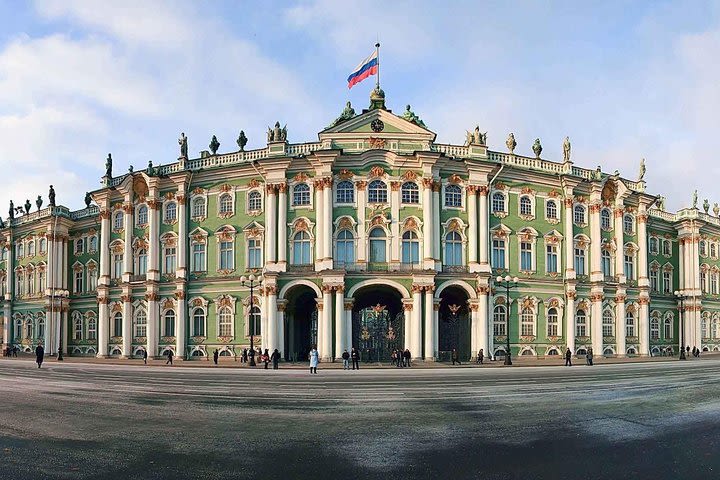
<point>252,282</point>
<point>681,298</point>
<point>507,282</point>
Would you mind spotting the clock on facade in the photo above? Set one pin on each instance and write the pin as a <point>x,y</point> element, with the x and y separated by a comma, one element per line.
<point>377,125</point>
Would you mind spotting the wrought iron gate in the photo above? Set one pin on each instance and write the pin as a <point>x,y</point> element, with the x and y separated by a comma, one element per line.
<point>376,333</point>
<point>453,332</point>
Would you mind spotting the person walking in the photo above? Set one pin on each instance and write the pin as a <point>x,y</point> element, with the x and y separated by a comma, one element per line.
<point>590,356</point>
<point>169,357</point>
<point>346,360</point>
<point>39,355</point>
<point>406,357</point>
<point>275,357</point>
<point>144,355</point>
<point>355,356</point>
<point>266,358</point>
<point>15,351</point>
<point>314,360</point>
<point>244,355</point>
<point>568,358</point>
<point>481,356</point>
<point>455,357</point>
<point>216,354</point>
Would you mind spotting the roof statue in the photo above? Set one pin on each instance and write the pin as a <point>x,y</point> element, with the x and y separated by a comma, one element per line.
<point>511,143</point>
<point>410,116</point>
<point>12,210</point>
<point>346,114</point>
<point>537,148</point>
<point>598,173</point>
<point>214,145</point>
<point>242,141</point>
<point>694,199</point>
<point>39,202</point>
<point>182,141</point>
<point>277,134</point>
<point>566,150</point>
<point>150,169</point>
<point>660,202</point>
<point>641,175</point>
<point>88,199</point>
<point>716,209</point>
<point>377,98</point>
<point>108,166</point>
<point>706,205</point>
<point>475,137</point>
<point>28,206</point>
<point>51,197</point>
<point>130,169</point>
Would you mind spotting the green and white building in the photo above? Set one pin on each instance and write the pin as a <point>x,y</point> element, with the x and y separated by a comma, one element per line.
<point>373,236</point>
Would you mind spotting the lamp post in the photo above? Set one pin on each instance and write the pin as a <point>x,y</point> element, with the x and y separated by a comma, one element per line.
<point>252,282</point>
<point>507,282</point>
<point>681,298</point>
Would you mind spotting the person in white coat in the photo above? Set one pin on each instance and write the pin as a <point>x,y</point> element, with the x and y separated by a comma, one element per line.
<point>314,359</point>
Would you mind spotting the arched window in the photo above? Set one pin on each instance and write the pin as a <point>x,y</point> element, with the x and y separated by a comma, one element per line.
<point>40,332</point>
<point>551,210</point>
<point>552,322</point>
<point>608,324</point>
<point>18,328</point>
<point>410,248</point>
<point>117,325</point>
<point>224,322</point>
<point>142,215</point>
<point>345,250</point>
<point>704,326</point>
<point>630,324</point>
<point>169,324</point>
<point>409,193</point>
<point>579,214</point>
<point>453,196</point>
<point>198,319</point>
<point>580,323</point>
<point>499,321</point>
<point>77,327</point>
<point>226,203</point>
<point>345,192</point>
<point>628,224</point>
<point>255,321</point>
<point>498,202</point>
<point>171,212</point>
<point>654,327</point>
<point>118,220</point>
<point>301,248</point>
<point>31,247</point>
<point>605,216</point>
<point>301,194</point>
<point>525,205</point>
<point>377,192</point>
<point>713,250</point>
<point>667,247</point>
<point>169,258</point>
<point>377,245</point>
<point>527,323</point>
<point>653,245</point>
<point>198,208</point>
<point>715,328</point>
<point>140,323</point>
<point>29,328</point>
<point>142,262</point>
<point>254,201</point>
<point>453,249</point>
<point>668,333</point>
<point>91,327</point>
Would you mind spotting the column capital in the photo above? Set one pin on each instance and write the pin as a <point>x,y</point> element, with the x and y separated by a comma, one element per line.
<point>271,290</point>
<point>270,189</point>
<point>427,182</point>
<point>483,190</point>
<point>348,303</point>
<point>282,187</point>
<point>104,214</point>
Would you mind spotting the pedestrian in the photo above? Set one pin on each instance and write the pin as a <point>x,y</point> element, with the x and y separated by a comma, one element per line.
<point>481,356</point>
<point>455,357</point>
<point>266,358</point>
<point>406,357</point>
<point>243,356</point>
<point>15,351</point>
<point>169,357</point>
<point>346,360</point>
<point>355,357</point>
<point>275,357</point>
<point>144,355</point>
<point>568,358</point>
<point>314,359</point>
<point>590,356</point>
<point>393,357</point>
<point>216,355</point>
<point>39,355</point>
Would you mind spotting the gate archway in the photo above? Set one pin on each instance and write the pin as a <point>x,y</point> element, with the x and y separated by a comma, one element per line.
<point>301,322</point>
<point>378,322</point>
<point>454,324</point>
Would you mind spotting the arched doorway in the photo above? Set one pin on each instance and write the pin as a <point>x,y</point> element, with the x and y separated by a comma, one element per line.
<point>301,322</point>
<point>378,322</point>
<point>454,324</point>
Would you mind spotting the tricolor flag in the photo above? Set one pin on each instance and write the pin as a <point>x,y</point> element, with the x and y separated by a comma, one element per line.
<point>367,67</point>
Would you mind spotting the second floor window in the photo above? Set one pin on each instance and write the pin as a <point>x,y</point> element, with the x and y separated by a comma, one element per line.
<point>117,265</point>
<point>606,263</point>
<point>345,252</point>
<point>409,193</point>
<point>118,220</point>
<point>254,201</point>
<point>254,253</point>
<point>551,210</point>
<point>579,214</point>
<point>377,192</point>
<point>226,203</point>
<point>301,248</point>
<point>654,281</point>
<point>552,323</point>
<point>453,196</point>
<point>630,324</point>
<point>526,256</point>
<point>498,202</point>
<point>301,194</point>
<point>198,208</point>
<point>79,281</point>
<point>579,261</point>
<point>667,282</point>
<point>551,258</point>
<point>410,247</point>
<point>526,206</point>
<point>142,262</point>
<point>345,192</point>
<point>198,257</point>
<point>142,215</point>
<point>498,254</point>
<point>170,260</point>
<point>605,219</point>
<point>453,249</point>
<point>171,212</point>
<point>629,267</point>
<point>226,256</point>
<point>608,324</point>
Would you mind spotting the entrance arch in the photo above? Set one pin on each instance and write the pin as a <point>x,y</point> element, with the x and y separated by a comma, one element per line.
<point>454,323</point>
<point>300,322</point>
<point>378,322</point>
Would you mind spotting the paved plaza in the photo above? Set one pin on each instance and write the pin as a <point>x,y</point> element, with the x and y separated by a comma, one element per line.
<point>639,420</point>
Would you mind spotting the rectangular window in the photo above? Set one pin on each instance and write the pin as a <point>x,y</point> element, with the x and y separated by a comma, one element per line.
<point>142,264</point>
<point>667,247</point>
<point>226,256</point>
<point>92,279</point>
<point>654,281</point>
<point>667,284</point>
<point>254,253</point>
<point>551,259</point>
<point>198,263</point>
<point>526,256</point>
<point>170,264</point>
<point>580,261</point>
<point>606,263</point>
<point>117,265</point>
<point>78,281</point>
<point>498,254</point>
<point>629,267</point>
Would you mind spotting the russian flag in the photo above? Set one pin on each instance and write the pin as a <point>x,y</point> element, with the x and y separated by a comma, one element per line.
<point>367,67</point>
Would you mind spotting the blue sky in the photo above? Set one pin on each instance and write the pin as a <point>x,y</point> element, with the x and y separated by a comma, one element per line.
<point>625,80</point>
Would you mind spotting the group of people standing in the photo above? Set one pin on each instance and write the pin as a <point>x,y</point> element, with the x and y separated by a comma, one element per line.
<point>588,357</point>
<point>401,358</point>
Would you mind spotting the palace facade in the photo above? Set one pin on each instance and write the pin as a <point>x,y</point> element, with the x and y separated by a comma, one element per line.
<point>373,236</point>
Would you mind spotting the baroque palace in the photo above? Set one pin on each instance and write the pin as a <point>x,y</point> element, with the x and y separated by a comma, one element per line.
<point>374,236</point>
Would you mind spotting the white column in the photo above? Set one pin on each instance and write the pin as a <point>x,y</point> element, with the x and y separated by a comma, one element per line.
<point>181,325</point>
<point>596,335</point>
<point>47,340</point>
<point>474,305</point>
<point>619,243</point>
<point>483,218</point>
<point>681,264</point>
<point>103,245</point>
<point>319,223</point>
<point>362,239</point>
<point>103,327</point>
<point>429,326</point>
<point>326,326</point>
<point>182,236</point>
<point>407,325</point>
<point>282,224</point>
<point>436,322</point>
<point>153,325</point>
<point>281,328</point>
<point>7,312</point>
<point>270,225</point>
<point>395,239</point>
<point>428,260</point>
<point>472,228</point>
<point>63,261</point>
<point>128,236</point>
<point>596,274</point>
<point>644,326</point>
<point>327,221</point>
<point>620,312</point>
<point>348,322</point>
<point>416,322</point>
<point>570,321</point>
<point>64,331</point>
<point>436,224</point>
<point>569,239</point>
<point>340,334</point>
<point>127,324</point>
<point>483,322</point>
<point>271,300</point>
<point>153,273</point>
<point>642,217</point>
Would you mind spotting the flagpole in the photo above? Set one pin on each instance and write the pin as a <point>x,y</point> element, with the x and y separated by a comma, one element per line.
<point>377,50</point>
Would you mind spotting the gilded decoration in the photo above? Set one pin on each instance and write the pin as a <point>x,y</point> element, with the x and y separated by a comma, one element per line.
<point>411,224</point>
<point>198,191</point>
<point>224,301</point>
<point>197,302</point>
<point>301,226</point>
<point>553,303</point>
<point>154,204</point>
<point>361,184</point>
<point>168,304</point>
<point>152,297</point>
<point>483,190</point>
<point>345,223</point>
<point>436,186</point>
<point>500,300</point>
<point>500,186</point>
<point>582,305</point>
<point>225,235</point>
<point>169,196</point>
<point>377,172</point>
<point>453,226</point>
<point>105,214</point>
<point>180,295</point>
<point>117,247</point>
<point>199,238</point>
<point>225,339</point>
<point>300,177</point>
<point>410,175</point>
<point>226,187</point>
<point>377,143</point>
<point>528,303</point>
<point>395,186</point>
<point>140,188</point>
<point>527,191</point>
<point>126,298</point>
<point>427,182</point>
<point>345,174</point>
<point>553,193</point>
<point>378,220</point>
<point>455,178</point>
